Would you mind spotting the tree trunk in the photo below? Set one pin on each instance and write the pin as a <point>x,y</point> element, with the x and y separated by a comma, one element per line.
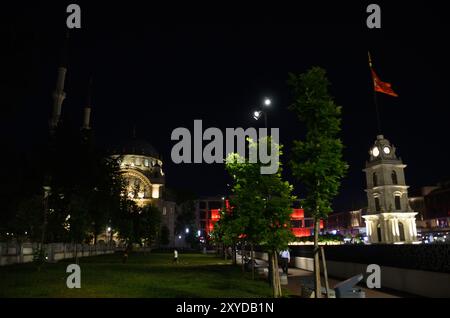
<point>276,284</point>
<point>234,254</point>
<point>253,262</point>
<point>317,287</point>
<point>242,258</point>
<point>76,253</point>
<point>325,272</point>
<point>270,270</point>
<point>95,234</point>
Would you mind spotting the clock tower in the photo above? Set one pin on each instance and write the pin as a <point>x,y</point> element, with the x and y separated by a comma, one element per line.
<point>389,217</point>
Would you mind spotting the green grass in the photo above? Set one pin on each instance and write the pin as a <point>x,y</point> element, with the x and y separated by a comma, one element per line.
<point>151,275</point>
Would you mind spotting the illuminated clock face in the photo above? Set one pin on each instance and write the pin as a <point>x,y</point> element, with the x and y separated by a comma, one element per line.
<point>375,151</point>
<point>387,150</point>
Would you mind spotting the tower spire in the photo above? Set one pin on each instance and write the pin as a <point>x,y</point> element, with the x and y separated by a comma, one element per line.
<point>58,94</point>
<point>88,107</point>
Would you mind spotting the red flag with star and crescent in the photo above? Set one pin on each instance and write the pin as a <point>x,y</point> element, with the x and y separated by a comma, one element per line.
<point>379,85</point>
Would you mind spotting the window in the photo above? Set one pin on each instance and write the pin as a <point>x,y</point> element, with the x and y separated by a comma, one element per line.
<point>137,161</point>
<point>375,179</point>
<point>394,177</point>
<point>296,223</point>
<point>202,205</point>
<point>397,203</point>
<point>146,162</point>
<point>202,215</point>
<point>377,204</point>
<point>215,204</point>
<point>164,211</point>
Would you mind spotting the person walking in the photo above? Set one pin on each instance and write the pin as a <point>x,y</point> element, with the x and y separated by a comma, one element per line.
<point>285,260</point>
<point>175,256</point>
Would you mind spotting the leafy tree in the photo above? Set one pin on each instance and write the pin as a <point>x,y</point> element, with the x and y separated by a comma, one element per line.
<point>186,220</point>
<point>28,219</point>
<point>137,224</point>
<point>229,229</point>
<point>317,159</point>
<point>164,238</point>
<point>150,222</point>
<point>262,207</point>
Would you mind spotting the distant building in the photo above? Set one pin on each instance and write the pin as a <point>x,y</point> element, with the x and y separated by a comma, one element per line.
<point>433,204</point>
<point>389,217</point>
<point>301,225</point>
<point>141,167</point>
<point>207,213</point>
<point>346,223</point>
<point>140,163</point>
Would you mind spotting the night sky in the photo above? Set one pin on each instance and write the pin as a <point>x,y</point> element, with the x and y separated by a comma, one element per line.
<point>158,70</point>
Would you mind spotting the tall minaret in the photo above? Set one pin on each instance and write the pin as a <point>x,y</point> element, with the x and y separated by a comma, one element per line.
<point>59,95</point>
<point>87,109</point>
<point>389,217</point>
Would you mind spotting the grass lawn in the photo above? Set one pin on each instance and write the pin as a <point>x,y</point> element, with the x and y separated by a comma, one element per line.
<point>151,275</point>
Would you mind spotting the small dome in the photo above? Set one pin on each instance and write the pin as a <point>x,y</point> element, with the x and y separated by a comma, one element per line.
<point>135,147</point>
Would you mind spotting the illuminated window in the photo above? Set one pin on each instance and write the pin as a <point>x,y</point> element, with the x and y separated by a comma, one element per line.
<point>146,162</point>
<point>137,161</point>
<point>164,211</point>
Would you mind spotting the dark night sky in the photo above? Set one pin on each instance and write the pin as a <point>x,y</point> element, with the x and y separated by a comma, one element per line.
<point>160,70</point>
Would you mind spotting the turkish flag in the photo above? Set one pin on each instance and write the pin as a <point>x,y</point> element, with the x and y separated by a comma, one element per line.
<point>381,86</point>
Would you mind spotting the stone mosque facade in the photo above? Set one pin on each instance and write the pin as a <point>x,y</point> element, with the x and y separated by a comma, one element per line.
<point>141,168</point>
<point>140,163</point>
<point>389,218</point>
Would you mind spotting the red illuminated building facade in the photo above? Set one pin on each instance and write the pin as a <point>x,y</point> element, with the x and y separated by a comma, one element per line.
<point>302,226</point>
<point>208,213</point>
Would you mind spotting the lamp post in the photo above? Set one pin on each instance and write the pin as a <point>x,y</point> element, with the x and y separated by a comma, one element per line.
<point>262,111</point>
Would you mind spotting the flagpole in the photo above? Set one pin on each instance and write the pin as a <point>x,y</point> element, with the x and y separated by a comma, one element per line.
<point>375,99</point>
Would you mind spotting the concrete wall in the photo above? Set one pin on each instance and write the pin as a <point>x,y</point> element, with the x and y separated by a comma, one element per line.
<point>13,253</point>
<point>422,283</point>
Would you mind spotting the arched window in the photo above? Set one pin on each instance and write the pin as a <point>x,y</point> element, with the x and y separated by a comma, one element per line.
<point>394,177</point>
<point>398,206</point>
<point>375,179</point>
<point>377,204</point>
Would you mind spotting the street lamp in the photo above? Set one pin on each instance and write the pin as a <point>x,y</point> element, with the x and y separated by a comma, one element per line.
<point>257,113</point>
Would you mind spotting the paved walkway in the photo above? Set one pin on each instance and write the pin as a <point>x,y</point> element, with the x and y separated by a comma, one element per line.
<point>294,284</point>
<point>296,275</point>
